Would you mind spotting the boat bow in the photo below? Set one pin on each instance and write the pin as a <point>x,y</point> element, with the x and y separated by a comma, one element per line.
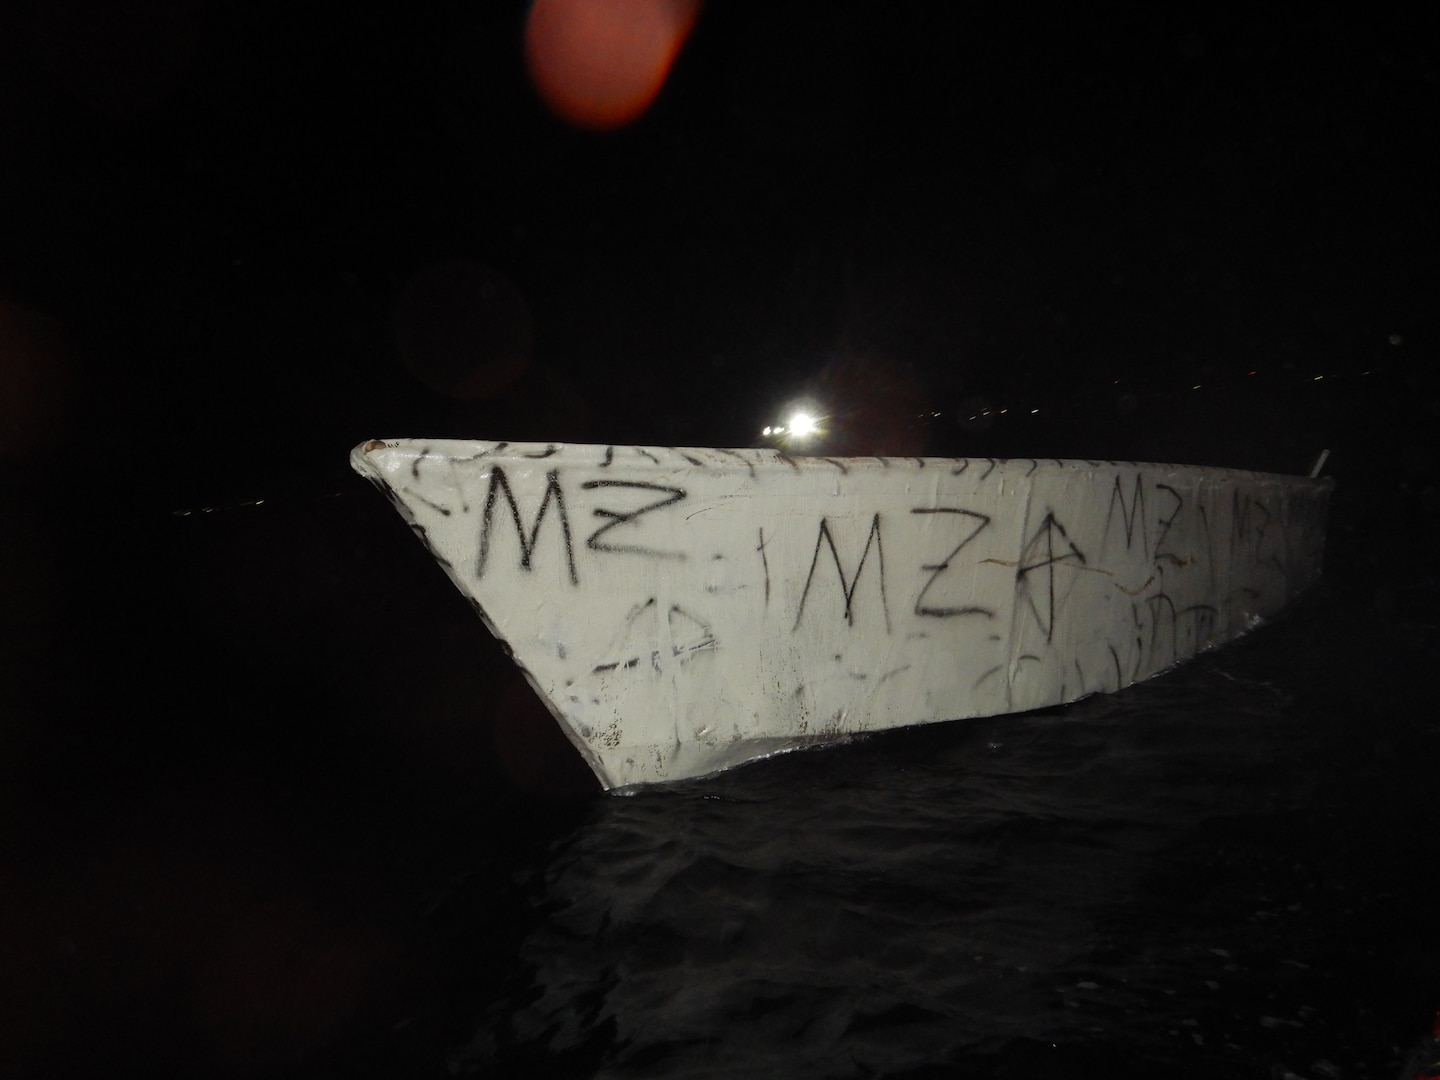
<point>684,610</point>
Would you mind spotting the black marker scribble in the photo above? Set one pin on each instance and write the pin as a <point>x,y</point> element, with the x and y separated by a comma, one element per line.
<point>691,458</point>
<point>979,522</point>
<point>750,465</point>
<point>444,511</point>
<point>496,449</point>
<point>847,587</point>
<point>1042,552</point>
<point>500,485</point>
<point>624,517</point>
<point>682,642</point>
<point>1130,513</point>
<point>1165,525</point>
<point>765,564</point>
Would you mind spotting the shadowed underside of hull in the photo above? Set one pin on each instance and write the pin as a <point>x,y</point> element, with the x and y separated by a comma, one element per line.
<point>685,610</point>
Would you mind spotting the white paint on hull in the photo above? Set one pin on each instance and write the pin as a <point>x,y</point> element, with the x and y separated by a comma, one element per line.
<point>682,611</point>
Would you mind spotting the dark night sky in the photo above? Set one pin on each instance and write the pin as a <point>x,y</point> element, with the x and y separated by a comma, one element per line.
<point>238,239</point>
<point>216,214</point>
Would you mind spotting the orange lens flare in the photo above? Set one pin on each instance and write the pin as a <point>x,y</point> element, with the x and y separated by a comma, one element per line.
<point>598,64</point>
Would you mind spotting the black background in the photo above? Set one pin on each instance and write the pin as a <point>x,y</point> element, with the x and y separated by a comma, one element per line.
<point>245,726</point>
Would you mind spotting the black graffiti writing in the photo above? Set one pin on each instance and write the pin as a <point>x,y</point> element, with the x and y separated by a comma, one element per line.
<point>500,485</point>
<point>1166,523</point>
<point>1129,513</point>
<point>1167,620</point>
<point>1242,503</point>
<point>765,564</point>
<point>686,640</point>
<point>873,539</point>
<point>691,458</point>
<point>1050,546</point>
<point>975,523</point>
<point>688,634</point>
<point>616,518</point>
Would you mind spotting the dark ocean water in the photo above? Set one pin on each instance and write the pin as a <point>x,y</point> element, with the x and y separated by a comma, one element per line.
<point>307,822</point>
<point>1226,871</point>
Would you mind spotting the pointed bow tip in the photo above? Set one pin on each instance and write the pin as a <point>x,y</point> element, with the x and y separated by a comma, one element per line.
<point>361,461</point>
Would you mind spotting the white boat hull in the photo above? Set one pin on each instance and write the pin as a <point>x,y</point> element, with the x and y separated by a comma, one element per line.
<point>682,611</point>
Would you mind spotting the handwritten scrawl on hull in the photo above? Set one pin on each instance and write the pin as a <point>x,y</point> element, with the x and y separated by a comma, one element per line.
<point>648,520</point>
<point>621,532</point>
<point>682,610</point>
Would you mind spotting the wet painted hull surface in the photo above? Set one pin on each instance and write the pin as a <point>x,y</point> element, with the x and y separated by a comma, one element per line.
<point>682,611</point>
